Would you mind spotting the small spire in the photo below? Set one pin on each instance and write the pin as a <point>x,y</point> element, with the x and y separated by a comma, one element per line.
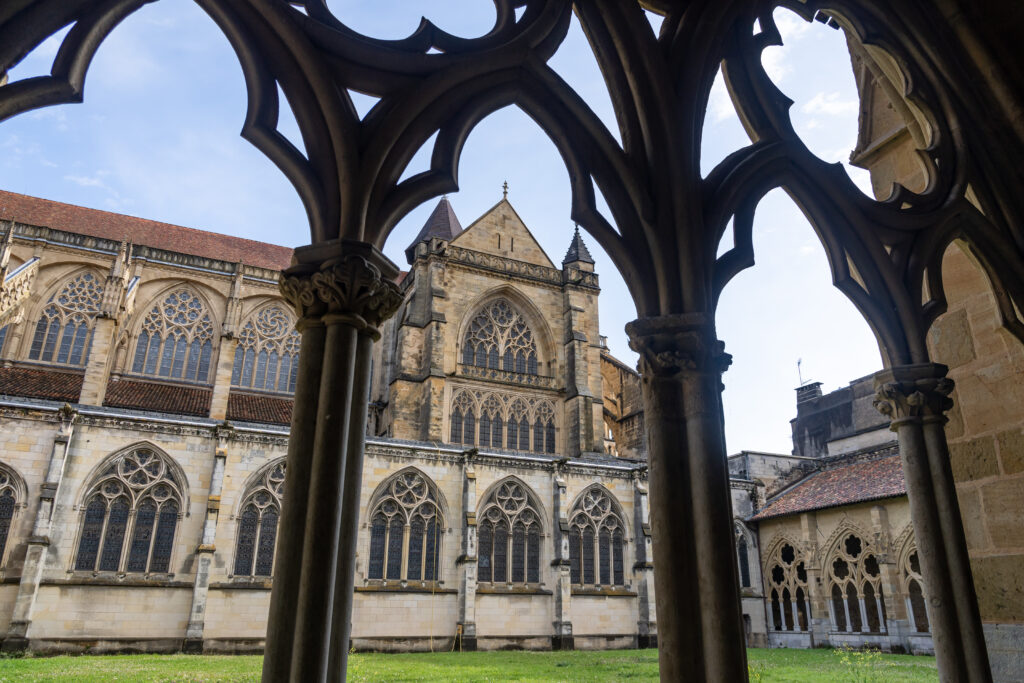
<point>578,251</point>
<point>504,190</point>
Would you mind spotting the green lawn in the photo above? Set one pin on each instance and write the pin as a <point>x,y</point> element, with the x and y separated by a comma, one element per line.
<point>791,666</point>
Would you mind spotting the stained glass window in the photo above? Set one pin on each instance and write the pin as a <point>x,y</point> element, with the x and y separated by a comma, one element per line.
<point>405,536</point>
<point>598,533</point>
<point>268,348</point>
<point>484,551</point>
<point>9,494</point>
<point>137,491</point>
<point>508,518</point>
<point>500,332</point>
<point>176,339</point>
<point>257,525</point>
<point>504,421</point>
<point>63,332</point>
<point>500,552</point>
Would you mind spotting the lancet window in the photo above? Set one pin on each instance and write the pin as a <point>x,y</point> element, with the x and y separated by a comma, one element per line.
<point>63,333</point>
<point>509,534</point>
<point>257,524</point>
<point>787,589</point>
<point>913,588</point>
<point>131,515</point>
<point>405,530</point>
<point>596,541</point>
<point>743,557</point>
<point>855,590</point>
<point>176,339</point>
<point>498,338</point>
<point>10,493</point>
<point>502,421</point>
<point>268,352</point>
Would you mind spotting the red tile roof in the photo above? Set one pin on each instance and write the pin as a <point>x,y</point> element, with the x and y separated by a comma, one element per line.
<point>39,383</point>
<point>259,408</point>
<point>853,483</point>
<point>115,226</point>
<point>164,398</point>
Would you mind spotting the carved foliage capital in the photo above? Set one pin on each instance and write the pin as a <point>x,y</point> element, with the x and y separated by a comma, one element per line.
<point>677,344</point>
<point>913,392</point>
<point>350,284</point>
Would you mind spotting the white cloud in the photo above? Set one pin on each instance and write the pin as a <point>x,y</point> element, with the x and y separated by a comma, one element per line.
<point>775,64</point>
<point>719,103</point>
<point>85,181</point>
<point>829,104</point>
<point>791,27</point>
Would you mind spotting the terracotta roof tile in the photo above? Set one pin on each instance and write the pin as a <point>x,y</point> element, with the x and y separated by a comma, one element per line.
<point>164,398</point>
<point>853,483</point>
<point>115,226</point>
<point>39,383</point>
<point>442,223</point>
<point>259,408</point>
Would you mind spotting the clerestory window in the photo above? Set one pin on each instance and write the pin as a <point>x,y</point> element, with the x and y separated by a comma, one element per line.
<point>257,524</point>
<point>63,333</point>
<point>405,530</point>
<point>509,533</point>
<point>268,352</point>
<point>131,515</point>
<point>596,541</point>
<point>498,420</point>
<point>176,339</point>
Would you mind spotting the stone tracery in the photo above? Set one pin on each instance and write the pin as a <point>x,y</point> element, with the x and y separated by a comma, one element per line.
<point>405,530</point>
<point>62,334</point>
<point>504,420</point>
<point>176,338</point>
<point>596,540</point>
<point>786,580</point>
<point>268,352</point>
<point>258,524</point>
<point>509,530</point>
<point>499,338</point>
<point>854,587</point>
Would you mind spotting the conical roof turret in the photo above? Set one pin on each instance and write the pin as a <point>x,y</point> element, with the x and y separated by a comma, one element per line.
<point>578,251</point>
<point>443,224</point>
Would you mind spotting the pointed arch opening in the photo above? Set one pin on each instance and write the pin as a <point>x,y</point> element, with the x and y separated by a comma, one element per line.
<point>407,526</point>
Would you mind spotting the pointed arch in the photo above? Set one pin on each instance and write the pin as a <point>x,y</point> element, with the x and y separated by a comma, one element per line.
<point>510,525</point>
<point>598,535</point>
<point>61,329</point>
<point>786,585</point>
<point>746,546</point>
<point>13,498</point>
<point>853,581</point>
<point>535,321</point>
<point>267,355</point>
<point>130,509</point>
<point>912,582</point>
<point>175,335</point>
<point>257,515</point>
<point>407,524</point>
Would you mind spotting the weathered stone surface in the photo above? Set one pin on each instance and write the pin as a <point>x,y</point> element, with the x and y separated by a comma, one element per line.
<point>974,459</point>
<point>1011,450</point>
<point>951,341</point>
<point>1000,585</point>
<point>971,513</point>
<point>1001,503</point>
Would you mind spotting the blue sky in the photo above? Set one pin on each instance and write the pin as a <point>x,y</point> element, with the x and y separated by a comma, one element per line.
<point>157,137</point>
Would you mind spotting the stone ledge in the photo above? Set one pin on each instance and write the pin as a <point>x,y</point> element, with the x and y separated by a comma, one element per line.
<point>514,590</point>
<point>429,590</point>
<point>605,592</point>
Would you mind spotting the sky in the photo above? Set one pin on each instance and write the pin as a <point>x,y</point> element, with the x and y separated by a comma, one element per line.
<point>158,137</point>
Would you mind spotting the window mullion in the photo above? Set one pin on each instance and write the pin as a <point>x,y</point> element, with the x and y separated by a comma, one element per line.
<point>103,537</point>
<point>404,572</point>
<point>129,537</point>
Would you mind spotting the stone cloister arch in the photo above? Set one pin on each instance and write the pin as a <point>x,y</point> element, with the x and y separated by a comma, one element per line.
<point>665,226</point>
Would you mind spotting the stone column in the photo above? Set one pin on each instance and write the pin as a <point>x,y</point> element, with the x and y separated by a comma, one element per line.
<point>562,638</point>
<point>207,545</point>
<point>700,625</point>
<point>222,378</point>
<point>818,600</point>
<point>647,624</point>
<point>39,541</point>
<point>467,561</point>
<point>342,290</point>
<point>916,397</point>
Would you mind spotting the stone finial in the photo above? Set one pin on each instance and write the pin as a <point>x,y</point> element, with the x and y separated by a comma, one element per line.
<point>504,190</point>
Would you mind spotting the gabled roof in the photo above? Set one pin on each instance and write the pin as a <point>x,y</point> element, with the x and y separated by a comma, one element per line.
<point>443,224</point>
<point>856,482</point>
<point>577,251</point>
<point>115,226</point>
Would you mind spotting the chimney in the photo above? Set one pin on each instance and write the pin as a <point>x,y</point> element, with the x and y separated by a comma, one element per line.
<point>808,392</point>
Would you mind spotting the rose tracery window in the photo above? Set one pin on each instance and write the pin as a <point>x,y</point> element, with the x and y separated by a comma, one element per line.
<point>63,332</point>
<point>502,421</point>
<point>855,588</point>
<point>787,589</point>
<point>499,338</point>
<point>268,352</point>
<point>509,536</point>
<point>405,531</point>
<point>131,514</point>
<point>596,541</point>
<point>176,339</point>
<point>257,524</point>
<point>913,586</point>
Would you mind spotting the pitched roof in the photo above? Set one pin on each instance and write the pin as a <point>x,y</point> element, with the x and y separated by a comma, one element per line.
<point>40,383</point>
<point>443,223</point>
<point>259,408</point>
<point>116,226</point>
<point>856,482</point>
<point>577,250</point>
<point>161,397</point>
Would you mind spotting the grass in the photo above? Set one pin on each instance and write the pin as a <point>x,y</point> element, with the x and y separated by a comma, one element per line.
<point>766,666</point>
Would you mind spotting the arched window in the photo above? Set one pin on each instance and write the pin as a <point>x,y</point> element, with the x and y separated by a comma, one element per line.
<point>544,429</point>
<point>268,352</point>
<point>854,579</point>
<point>463,419</point>
<point>596,541</point>
<point>787,589</point>
<point>498,338</point>
<point>11,493</point>
<point>743,559</point>
<point>257,524</point>
<point>405,530</point>
<point>63,333</point>
<point>518,426</point>
<point>914,589</point>
<point>176,339</point>
<point>497,420</point>
<point>509,536</point>
<point>492,424</point>
<point>131,514</point>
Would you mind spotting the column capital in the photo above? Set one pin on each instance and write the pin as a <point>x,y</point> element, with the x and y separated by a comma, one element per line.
<point>344,278</point>
<point>913,393</point>
<point>678,344</point>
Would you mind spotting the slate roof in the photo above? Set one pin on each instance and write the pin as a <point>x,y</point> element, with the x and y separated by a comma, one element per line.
<point>260,408</point>
<point>114,226</point>
<point>443,223</point>
<point>40,383</point>
<point>577,250</point>
<point>856,482</point>
<point>161,397</point>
